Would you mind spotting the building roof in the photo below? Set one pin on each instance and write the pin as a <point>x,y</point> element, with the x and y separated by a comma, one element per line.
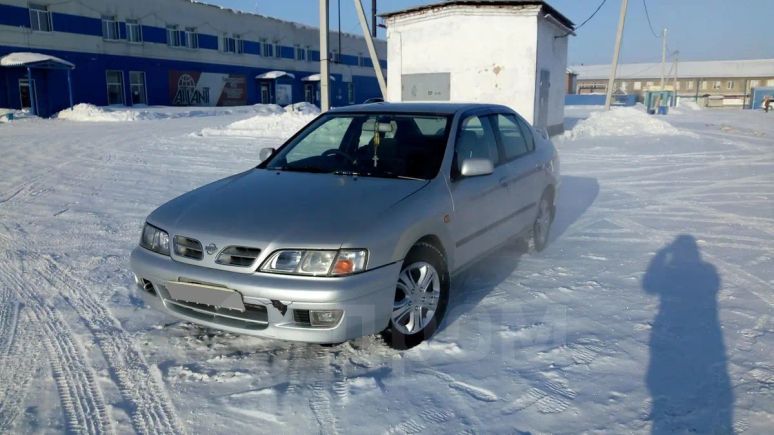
<point>547,7</point>
<point>699,69</point>
<point>34,60</point>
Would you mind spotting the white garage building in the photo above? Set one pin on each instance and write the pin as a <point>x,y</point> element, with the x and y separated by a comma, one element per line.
<point>498,51</point>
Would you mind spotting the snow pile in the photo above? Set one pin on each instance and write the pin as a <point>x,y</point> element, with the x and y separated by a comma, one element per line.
<point>282,125</point>
<point>623,121</point>
<point>307,108</point>
<point>91,113</point>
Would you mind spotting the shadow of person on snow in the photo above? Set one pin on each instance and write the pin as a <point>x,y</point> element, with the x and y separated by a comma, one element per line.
<point>687,376</point>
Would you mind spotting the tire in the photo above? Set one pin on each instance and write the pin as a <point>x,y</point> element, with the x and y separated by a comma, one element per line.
<point>542,226</point>
<point>403,331</point>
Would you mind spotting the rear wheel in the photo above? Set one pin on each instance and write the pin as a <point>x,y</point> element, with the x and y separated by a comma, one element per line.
<point>421,297</point>
<point>542,225</point>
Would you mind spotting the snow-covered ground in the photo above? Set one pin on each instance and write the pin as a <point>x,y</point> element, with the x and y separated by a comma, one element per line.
<point>653,308</point>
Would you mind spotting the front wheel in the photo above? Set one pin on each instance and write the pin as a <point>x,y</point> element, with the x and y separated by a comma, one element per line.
<point>421,297</point>
<point>542,225</point>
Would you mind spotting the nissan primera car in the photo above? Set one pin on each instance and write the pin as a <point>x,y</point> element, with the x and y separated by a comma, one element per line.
<point>354,226</point>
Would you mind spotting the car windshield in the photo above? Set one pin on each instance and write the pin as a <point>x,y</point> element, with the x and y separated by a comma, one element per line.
<point>369,145</point>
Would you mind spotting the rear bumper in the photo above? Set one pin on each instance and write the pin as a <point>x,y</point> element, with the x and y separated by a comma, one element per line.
<point>366,299</point>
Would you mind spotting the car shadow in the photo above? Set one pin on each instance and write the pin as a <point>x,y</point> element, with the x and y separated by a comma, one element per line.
<point>687,374</point>
<point>471,286</point>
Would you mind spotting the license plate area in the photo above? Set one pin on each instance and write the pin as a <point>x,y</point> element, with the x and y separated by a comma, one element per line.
<point>207,295</point>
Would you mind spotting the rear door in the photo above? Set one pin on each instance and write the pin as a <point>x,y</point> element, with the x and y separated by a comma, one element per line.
<point>517,147</point>
<point>480,203</point>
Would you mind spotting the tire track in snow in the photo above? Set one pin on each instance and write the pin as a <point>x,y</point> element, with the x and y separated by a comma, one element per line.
<point>81,398</point>
<point>150,408</point>
<point>20,361</point>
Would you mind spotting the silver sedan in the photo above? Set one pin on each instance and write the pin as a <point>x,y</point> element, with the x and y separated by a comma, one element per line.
<point>355,226</point>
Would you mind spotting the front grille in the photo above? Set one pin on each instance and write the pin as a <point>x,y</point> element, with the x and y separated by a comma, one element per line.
<point>301,317</point>
<point>239,256</point>
<point>188,248</point>
<point>254,317</point>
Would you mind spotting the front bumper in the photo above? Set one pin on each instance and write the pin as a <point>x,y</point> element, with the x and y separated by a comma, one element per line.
<point>366,299</point>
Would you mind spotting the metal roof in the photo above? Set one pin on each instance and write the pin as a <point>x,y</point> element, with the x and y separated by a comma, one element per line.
<point>547,7</point>
<point>34,60</point>
<point>698,69</point>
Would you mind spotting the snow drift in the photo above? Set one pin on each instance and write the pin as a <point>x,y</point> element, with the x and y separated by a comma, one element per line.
<point>91,113</point>
<point>624,121</point>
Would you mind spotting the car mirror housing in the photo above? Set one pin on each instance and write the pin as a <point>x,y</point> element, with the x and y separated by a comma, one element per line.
<point>264,154</point>
<point>476,167</point>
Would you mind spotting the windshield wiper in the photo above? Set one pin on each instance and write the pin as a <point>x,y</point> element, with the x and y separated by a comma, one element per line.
<point>310,169</point>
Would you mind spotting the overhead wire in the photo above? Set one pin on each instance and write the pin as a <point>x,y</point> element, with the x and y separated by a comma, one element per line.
<point>584,22</point>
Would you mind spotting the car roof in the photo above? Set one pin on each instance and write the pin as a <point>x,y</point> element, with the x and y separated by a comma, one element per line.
<point>418,107</point>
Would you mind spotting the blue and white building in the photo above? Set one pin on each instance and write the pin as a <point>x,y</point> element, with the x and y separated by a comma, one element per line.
<point>170,52</point>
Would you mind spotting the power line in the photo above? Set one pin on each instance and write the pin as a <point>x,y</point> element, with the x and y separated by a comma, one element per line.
<point>583,23</point>
<point>647,15</point>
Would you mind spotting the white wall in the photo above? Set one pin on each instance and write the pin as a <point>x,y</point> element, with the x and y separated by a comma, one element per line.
<point>491,54</point>
<point>488,52</point>
<point>552,55</point>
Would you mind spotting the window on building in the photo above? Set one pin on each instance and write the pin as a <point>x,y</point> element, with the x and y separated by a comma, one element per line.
<point>704,85</point>
<point>110,29</point>
<point>115,87</point>
<point>637,86</point>
<point>137,87</point>
<point>40,18</point>
<point>268,49</point>
<point>277,50</point>
<point>308,53</point>
<point>173,36</point>
<point>133,31</point>
<point>678,86</point>
<point>233,43</point>
<point>754,83</point>
<point>716,85</point>
<point>648,84</point>
<point>770,82</point>
<point>351,93</point>
<point>190,38</point>
<point>300,53</point>
<point>690,84</point>
<point>333,56</point>
<point>730,84</point>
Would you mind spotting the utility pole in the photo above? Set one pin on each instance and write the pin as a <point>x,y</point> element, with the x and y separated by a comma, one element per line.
<point>373,18</point>
<point>325,76</point>
<point>663,58</point>
<point>616,53</point>
<point>676,62</point>
<point>371,48</point>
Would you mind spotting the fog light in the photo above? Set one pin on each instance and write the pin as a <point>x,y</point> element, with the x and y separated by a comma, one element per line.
<point>325,318</point>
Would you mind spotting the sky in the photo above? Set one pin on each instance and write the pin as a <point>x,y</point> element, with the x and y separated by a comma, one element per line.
<point>698,29</point>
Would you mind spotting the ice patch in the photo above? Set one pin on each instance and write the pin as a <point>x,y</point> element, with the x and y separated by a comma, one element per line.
<point>624,121</point>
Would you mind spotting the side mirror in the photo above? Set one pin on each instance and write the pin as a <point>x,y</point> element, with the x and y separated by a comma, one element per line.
<point>476,167</point>
<point>264,154</point>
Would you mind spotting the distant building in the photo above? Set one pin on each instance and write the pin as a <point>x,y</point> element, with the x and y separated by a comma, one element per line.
<point>711,83</point>
<point>172,52</point>
<point>497,51</point>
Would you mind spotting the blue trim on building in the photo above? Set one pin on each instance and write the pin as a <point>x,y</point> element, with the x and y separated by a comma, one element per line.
<point>154,34</point>
<point>252,47</point>
<point>76,24</point>
<point>208,42</point>
<point>14,16</point>
<point>287,52</point>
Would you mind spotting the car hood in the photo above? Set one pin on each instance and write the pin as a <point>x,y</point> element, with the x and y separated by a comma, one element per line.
<point>263,208</point>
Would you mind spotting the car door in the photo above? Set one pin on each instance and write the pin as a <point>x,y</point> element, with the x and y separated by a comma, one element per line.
<point>517,148</point>
<point>478,201</point>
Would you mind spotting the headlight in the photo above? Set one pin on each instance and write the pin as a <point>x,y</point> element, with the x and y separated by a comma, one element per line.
<point>316,263</point>
<point>155,239</point>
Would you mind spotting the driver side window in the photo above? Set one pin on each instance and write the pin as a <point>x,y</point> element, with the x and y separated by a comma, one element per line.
<point>328,136</point>
<point>476,140</point>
